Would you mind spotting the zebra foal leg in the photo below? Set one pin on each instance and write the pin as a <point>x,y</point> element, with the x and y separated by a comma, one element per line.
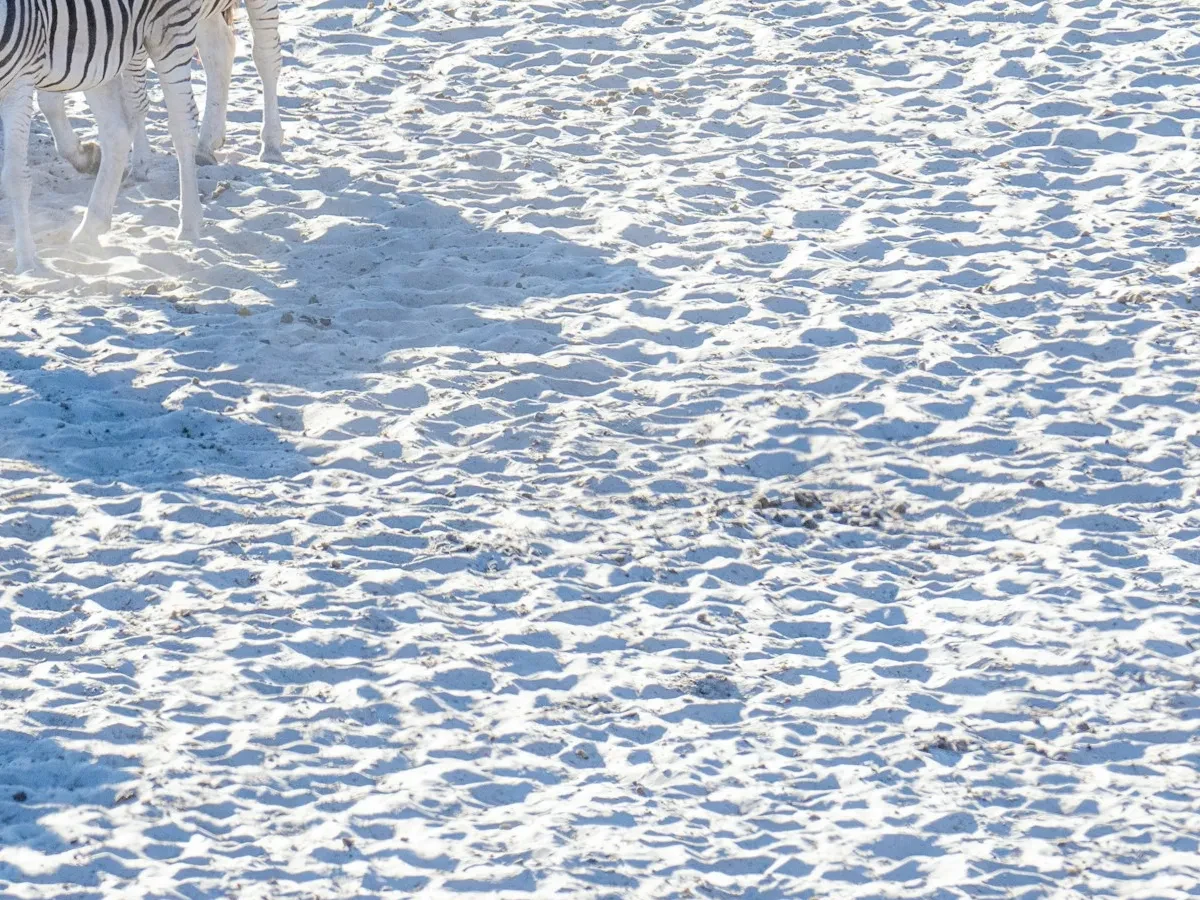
<point>16,113</point>
<point>108,107</point>
<point>85,156</point>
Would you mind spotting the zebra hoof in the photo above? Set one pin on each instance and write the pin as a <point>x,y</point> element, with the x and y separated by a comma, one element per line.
<point>32,268</point>
<point>188,234</point>
<point>206,157</point>
<point>87,236</point>
<point>88,159</point>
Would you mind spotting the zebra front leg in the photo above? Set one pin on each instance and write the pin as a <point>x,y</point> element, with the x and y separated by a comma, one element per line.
<point>181,121</point>
<point>217,44</point>
<point>85,157</point>
<point>16,114</point>
<point>137,104</point>
<point>268,59</point>
<point>115,138</point>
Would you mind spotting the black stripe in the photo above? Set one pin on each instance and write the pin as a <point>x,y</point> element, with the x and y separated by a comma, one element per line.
<point>71,37</point>
<point>110,33</point>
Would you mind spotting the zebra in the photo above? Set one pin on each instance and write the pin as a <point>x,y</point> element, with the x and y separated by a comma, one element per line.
<point>216,42</point>
<point>60,46</point>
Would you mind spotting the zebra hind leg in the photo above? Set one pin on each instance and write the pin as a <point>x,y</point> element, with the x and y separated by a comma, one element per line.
<point>85,156</point>
<point>268,59</point>
<point>115,139</point>
<point>217,44</point>
<point>172,64</point>
<point>16,113</point>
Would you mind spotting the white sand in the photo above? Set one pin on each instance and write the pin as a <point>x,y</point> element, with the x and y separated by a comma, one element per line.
<point>434,526</point>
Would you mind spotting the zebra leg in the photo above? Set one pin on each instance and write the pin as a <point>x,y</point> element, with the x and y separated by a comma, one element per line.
<point>181,121</point>
<point>217,45</point>
<point>137,104</point>
<point>85,157</point>
<point>16,113</point>
<point>115,138</point>
<point>171,50</point>
<point>268,59</point>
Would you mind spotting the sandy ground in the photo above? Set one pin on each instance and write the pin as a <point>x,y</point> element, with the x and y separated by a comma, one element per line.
<point>631,449</point>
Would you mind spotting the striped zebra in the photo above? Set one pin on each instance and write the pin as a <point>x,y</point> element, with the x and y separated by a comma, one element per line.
<point>60,46</point>
<point>216,42</point>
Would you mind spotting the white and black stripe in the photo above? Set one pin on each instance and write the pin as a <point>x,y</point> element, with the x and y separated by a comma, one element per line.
<point>58,46</point>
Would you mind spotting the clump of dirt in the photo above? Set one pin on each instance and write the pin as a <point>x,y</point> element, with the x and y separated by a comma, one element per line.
<point>812,509</point>
<point>946,744</point>
<point>711,687</point>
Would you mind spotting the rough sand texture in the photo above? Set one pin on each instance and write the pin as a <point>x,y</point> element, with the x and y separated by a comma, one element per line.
<point>632,449</point>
